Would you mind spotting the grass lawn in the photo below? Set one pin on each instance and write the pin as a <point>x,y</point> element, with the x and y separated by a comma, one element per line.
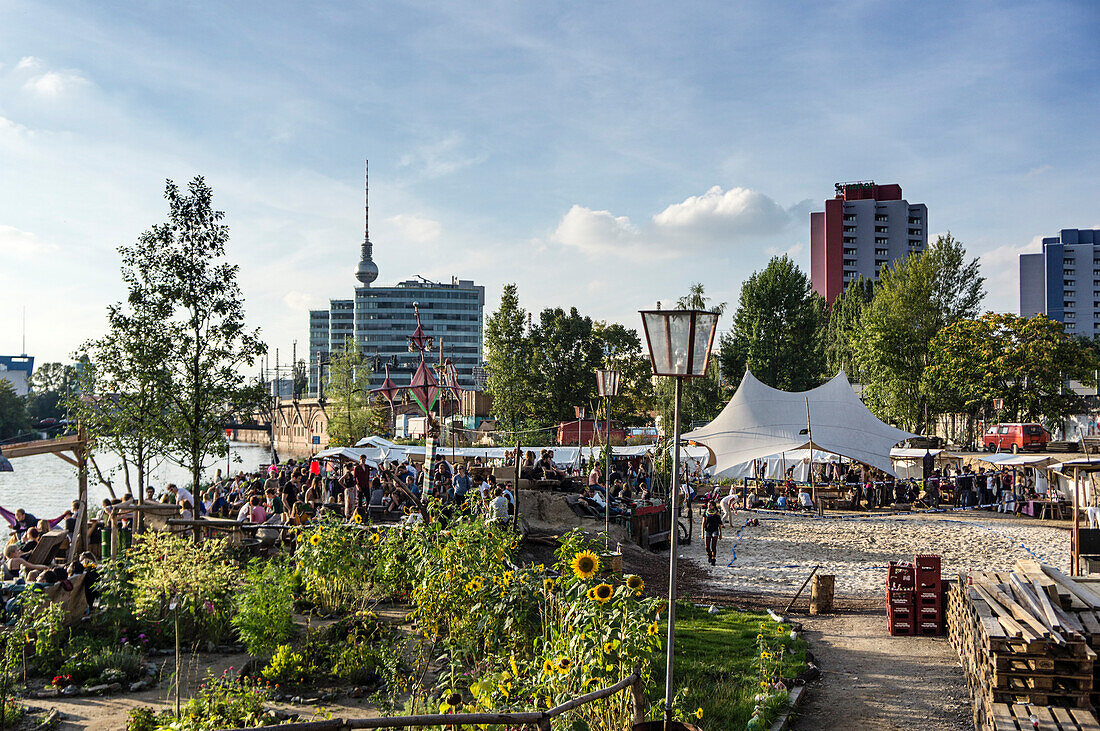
<point>716,661</point>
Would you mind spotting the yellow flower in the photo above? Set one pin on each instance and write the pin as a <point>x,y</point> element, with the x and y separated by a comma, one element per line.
<point>512,664</point>
<point>763,684</point>
<point>653,628</point>
<point>698,712</point>
<point>548,584</point>
<point>547,667</point>
<point>635,583</point>
<point>315,539</point>
<point>564,663</point>
<point>375,538</point>
<point>609,647</point>
<point>759,637</point>
<point>357,519</point>
<point>585,565</point>
<point>474,584</point>
<point>765,655</point>
<point>601,593</point>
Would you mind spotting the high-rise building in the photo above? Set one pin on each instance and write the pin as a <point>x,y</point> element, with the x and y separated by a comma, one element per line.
<point>863,227</point>
<point>381,318</point>
<point>17,370</point>
<point>1063,281</point>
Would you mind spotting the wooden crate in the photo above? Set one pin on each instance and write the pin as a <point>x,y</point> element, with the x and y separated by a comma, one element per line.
<point>1013,717</point>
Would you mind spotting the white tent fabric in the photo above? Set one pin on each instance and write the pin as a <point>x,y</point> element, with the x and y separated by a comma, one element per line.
<point>775,466</point>
<point>1016,460</point>
<point>760,421</point>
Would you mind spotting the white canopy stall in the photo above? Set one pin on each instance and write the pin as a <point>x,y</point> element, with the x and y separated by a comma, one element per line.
<point>760,421</point>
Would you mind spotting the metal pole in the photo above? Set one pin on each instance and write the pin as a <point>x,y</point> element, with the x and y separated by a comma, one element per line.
<point>673,541</point>
<point>607,479</point>
<point>1075,560</point>
<point>810,437</point>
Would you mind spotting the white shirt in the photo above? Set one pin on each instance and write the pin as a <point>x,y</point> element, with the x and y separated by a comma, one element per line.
<point>182,493</point>
<point>805,499</point>
<point>500,508</point>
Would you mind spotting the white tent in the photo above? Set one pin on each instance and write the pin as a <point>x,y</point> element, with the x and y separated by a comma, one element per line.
<point>760,421</point>
<point>775,466</point>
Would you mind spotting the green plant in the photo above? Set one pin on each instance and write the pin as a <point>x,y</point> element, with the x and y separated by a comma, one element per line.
<point>264,606</point>
<point>334,563</point>
<point>197,578</point>
<point>141,719</point>
<point>286,666</point>
<point>223,702</point>
<point>41,626</point>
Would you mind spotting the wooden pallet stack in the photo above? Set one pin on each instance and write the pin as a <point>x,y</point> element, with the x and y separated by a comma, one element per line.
<point>1026,637</point>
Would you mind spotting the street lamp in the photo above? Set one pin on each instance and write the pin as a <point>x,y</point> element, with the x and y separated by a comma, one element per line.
<point>679,347</point>
<point>607,383</point>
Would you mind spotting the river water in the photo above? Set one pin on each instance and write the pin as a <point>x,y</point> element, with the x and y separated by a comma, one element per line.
<point>45,485</point>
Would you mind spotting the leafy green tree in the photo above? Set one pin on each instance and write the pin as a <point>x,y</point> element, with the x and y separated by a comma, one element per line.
<point>211,347</point>
<point>843,316</point>
<point>700,400</point>
<point>778,330</point>
<point>911,304</point>
<point>50,385</point>
<point>1024,361</point>
<point>565,355</point>
<point>508,358</point>
<point>622,349</point>
<point>696,299</point>
<point>13,411</point>
<point>352,413</point>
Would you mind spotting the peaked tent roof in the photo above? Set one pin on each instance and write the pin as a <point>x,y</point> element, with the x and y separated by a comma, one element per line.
<point>760,421</point>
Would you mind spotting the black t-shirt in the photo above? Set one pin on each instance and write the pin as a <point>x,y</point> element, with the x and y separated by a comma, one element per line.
<point>712,523</point>
<point>27,521</point>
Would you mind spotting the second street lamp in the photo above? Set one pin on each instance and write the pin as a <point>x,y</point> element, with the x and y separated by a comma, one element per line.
<point>607,383</point>
<point>679,347</point>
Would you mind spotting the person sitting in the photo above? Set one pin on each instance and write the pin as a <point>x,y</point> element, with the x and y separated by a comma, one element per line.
<point>14,563</point>
<point>804,499</point>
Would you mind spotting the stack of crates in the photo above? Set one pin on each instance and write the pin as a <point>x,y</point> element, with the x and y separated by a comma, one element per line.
<point>901,584</point>
<point>929,596</point>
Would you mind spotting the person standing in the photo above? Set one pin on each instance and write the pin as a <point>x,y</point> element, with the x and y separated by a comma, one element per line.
<point>712,531</point>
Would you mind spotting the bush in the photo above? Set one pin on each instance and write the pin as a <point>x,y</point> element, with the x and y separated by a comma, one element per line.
<point>264,606</point>
<point>334,563</point>
<point>224,702</point>
<point>141,719</point>
<point>286,666</point>
<point>107,665</point>
<point>198,577</point>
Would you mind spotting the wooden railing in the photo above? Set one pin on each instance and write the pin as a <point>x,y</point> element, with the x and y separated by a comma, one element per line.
<point>539,719</point>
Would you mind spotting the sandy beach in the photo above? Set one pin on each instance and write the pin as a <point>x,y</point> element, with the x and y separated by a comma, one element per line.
<point>776,556</point>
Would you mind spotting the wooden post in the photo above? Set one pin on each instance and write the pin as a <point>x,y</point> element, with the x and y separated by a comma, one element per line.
<point>114,536</point>
<point>515,488</point>
<point>821,594</point>
<point>810,437</point>
<point>1075,552</point>
<point>637,695</point>
<point>82,489</point>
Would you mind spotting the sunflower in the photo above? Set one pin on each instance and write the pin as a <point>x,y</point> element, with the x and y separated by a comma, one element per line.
<point>548,667</point>
<point>548,584</point>
<point>591,593</point>
<point>375,538</point>
<point>315,539</point>
<point>601,593</point>
<point>635,583</point>
<point>585,565</point>
<point>512,664</point>
<point>563,663</point>
<point>698,712</point>
<point>653,629</point>
<point>608,648</point>
<point>474,584</point>
<point>357,519</point>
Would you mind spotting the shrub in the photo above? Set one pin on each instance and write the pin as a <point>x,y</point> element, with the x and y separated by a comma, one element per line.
<point>197,576</point>
<point>264,618</point>
<point>141,719</point>
<point>224,702</point>
<point>286,666</point>
<point>334,563</point>
<point>107,664</point>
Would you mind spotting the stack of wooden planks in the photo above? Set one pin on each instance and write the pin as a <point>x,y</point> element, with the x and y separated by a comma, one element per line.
<point>1027,636</point>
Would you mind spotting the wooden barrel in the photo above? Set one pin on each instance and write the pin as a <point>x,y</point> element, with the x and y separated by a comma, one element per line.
<point>821,594</point>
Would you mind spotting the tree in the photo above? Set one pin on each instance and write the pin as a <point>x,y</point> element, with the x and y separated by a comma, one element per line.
<point>564,358</point>
<point>210,346</point>
<point>13,411</point>
<point>50,386</point>
<point>352,413</point>
<point>1024,361</point>
<point>911,304</point>
<point>508,358</point>
<point>125,378</point>
<point>843,323</point>
<point>696,299</point>
<point>778,330</point>
<point>622,349</point>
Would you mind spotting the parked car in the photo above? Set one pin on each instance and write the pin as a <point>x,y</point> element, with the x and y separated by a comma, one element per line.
<point>1015,437</point>
<point>925,442</point>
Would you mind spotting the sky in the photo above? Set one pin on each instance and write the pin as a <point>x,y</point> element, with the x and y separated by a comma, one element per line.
<point>599,155</point>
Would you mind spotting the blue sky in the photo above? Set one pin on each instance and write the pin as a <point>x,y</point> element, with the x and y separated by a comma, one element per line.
<point>603,155</point>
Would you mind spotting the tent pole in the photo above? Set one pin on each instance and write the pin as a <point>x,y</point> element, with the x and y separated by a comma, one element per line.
<point>1075,551</point>
<point>810,436</point>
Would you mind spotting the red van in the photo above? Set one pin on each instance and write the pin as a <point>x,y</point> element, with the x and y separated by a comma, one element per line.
<point>1014,437</point>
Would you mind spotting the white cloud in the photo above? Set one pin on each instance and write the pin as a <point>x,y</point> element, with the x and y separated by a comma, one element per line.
<point>54,83</point>
<point>29,62</point>
<point>300,301</point>
<point>415,228</point>
<point>793,252</point>
<point>597,232</point>
<point>731,214</point>
<point>1001,269</point>
<point>23,244</point>
<point>440,158</point>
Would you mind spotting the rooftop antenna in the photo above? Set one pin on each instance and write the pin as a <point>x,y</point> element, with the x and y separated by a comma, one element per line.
<point>367,271</point>
<point>24,329</point>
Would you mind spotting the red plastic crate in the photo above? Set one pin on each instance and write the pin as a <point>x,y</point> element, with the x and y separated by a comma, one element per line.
<point>930,614</point>
<point>927,562</point>
<point>900,599</point>
<point>929,629</point>
<point>900,576</point>
<point>901,627</point>
<point>895,614</point>
<point>930,596</point>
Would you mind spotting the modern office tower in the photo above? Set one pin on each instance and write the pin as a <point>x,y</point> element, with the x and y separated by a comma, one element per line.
<point>864,227</point>
<point>1063,281</point>
<point>381,319</point>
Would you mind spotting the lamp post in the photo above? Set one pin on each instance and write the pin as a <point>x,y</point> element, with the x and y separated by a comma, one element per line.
<point>679,347</point>
<point>607,382</point>
<point>578,411</point>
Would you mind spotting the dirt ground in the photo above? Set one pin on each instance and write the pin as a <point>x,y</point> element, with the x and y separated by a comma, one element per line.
<point>870,680</point>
